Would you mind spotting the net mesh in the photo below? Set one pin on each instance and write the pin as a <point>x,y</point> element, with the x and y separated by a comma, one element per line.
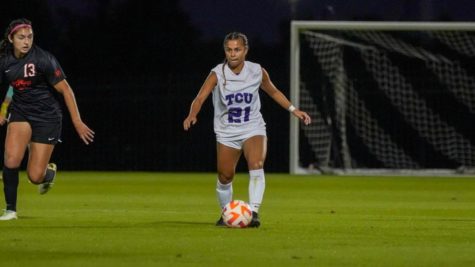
<point>388,99</point>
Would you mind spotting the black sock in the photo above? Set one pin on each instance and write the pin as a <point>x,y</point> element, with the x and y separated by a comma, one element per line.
<point>49,175</point>
<point>10,187</point>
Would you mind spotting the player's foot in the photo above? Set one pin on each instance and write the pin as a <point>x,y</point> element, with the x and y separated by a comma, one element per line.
<point>220,222</point>
<point>255,222</point>
<point>46,186</point>
<point>8,215</point>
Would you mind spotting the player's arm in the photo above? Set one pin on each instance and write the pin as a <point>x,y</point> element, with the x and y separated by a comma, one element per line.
<point>281,99</point>
<point>197,103</point>
<point>86,134</point>
<point>5,104</point>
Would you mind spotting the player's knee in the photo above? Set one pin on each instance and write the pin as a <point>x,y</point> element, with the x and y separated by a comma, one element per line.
<point>256,165</point>
<point>225,178</point>
<point>11,162</point>
<point>35,176</point>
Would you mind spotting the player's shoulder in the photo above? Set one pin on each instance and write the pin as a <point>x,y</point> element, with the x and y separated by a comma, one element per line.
<point>253,64</point>
<point>6,56</point>
<point>218,70</point>
<point>253,67</point>
<point>3,60</point>
<point>218,67</point>
<point>40,53</point>
<point>44,58</point>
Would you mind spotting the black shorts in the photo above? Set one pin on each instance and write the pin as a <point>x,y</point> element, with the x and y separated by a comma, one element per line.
<point>41,132</point>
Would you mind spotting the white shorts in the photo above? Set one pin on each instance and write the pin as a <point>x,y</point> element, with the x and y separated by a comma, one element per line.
<point>238,143</point>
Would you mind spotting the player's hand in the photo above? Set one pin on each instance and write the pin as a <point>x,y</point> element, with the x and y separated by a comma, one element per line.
<point>3,120</point>
<point>86,134</point>
<point>188,122</point>
<point>303,116</point>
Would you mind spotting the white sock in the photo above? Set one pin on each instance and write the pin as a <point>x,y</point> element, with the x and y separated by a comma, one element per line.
<point>224,193</point>
<point>257,186</point>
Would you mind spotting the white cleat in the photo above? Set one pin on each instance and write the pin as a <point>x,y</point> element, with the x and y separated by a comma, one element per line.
<point>8,215</point>
<point>46,186</point>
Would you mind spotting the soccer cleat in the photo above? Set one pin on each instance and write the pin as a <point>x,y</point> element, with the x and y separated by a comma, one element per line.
<point>44,187</point>
<point>220,222</point>
<point>255,222</point>
<point>8,215</point>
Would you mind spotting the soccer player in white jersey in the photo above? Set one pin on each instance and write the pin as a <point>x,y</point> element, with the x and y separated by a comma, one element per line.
<point>238,123</point>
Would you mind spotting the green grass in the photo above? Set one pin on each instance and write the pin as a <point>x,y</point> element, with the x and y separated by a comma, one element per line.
<point>163,219</point>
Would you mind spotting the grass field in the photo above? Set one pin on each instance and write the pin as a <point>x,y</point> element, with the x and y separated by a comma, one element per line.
<point>167,219</point>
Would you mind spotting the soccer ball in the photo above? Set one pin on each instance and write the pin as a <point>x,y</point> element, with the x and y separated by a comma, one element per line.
<point>237,214</point>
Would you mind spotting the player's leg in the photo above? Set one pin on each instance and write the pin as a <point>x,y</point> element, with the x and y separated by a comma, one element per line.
<point>255,151</point>
<point>16,141</point>
<point>45,135</point>
<point>227,159</point>
<point>38,170</point>
<point>38,159</point>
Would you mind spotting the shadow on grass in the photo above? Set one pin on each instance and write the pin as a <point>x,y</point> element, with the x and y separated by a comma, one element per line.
<point>181,223</point>
<point>116,226</point>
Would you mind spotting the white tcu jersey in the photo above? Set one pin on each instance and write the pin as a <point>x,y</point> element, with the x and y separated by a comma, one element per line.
<point>236,103</point>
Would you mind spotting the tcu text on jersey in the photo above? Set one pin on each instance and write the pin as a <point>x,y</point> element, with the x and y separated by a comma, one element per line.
<point>239,98</point>
<point>235,114</point>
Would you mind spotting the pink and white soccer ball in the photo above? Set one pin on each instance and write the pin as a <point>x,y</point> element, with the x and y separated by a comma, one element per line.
<point>237,213</point>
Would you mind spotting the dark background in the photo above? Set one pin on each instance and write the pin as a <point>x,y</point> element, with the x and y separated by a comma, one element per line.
<point>135,67</point>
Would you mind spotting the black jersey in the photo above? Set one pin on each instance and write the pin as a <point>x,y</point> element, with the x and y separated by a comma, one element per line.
<point>32,78</point>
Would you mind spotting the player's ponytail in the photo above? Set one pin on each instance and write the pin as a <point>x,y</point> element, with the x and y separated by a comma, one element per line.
<point>9,31</point>
<point>224,75</point>
<point>233,36</point>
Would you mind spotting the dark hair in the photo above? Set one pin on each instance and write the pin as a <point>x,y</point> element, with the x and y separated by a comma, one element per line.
<point>233,36</point>
<point>236,36</point>
<point>5,43</point>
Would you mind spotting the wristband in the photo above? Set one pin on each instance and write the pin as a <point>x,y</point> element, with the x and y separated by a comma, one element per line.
<point>291,108</point>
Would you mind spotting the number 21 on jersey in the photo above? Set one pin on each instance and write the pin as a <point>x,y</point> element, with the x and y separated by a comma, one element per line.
<point>235,114</point>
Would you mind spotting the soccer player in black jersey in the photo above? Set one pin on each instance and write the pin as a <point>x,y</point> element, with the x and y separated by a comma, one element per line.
<point>34,119</point>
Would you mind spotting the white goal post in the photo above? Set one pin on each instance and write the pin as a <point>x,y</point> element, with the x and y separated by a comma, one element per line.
<point>352,72</point>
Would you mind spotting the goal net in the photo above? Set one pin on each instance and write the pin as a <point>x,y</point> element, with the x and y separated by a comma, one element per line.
<point>394,97</point>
